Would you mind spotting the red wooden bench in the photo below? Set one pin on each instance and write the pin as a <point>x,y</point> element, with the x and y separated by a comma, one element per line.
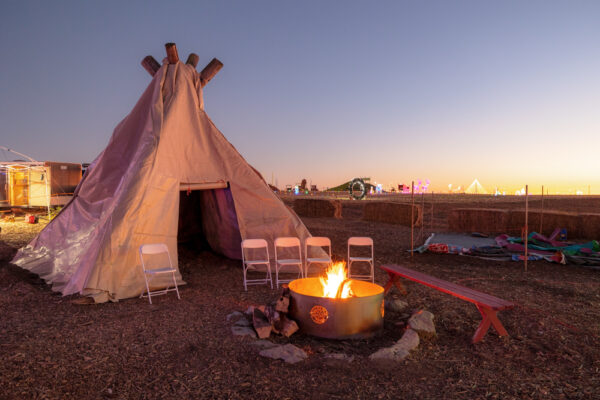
<point>487,305</point>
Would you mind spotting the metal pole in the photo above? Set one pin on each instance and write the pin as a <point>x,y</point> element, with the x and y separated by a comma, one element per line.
<point>422,230</point>
<point>412,217</point>
<point>47,179</point>
<point>542,212</point>
<point>431,212</point>
<point>526,221</point>
<point>28,187</point>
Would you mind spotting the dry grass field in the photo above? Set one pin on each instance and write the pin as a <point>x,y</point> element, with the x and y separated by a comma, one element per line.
<point>53,348</point>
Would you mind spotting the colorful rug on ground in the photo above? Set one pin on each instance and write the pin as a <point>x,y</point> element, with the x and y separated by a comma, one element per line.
<point>508,248</point>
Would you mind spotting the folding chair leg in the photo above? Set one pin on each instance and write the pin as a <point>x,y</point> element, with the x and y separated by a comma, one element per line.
<point>147,289</point>
<point>269,278</point>
<point>176,288</point>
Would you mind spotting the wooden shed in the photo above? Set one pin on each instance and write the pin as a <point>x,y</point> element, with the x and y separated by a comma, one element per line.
<point>37,184</point>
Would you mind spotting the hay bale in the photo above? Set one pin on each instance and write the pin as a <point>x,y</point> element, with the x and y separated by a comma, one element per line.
<point>484,220</point>
<point>393,213</point>
<point>590,226</point>
<point>492,221</point>
<point>318,208</point>
<point>552,219</point>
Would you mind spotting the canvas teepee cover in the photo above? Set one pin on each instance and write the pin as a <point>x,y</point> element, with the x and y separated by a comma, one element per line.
<point>131,195</point>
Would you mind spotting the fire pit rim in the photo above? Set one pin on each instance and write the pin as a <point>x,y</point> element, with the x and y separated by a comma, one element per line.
<point>379,288</point>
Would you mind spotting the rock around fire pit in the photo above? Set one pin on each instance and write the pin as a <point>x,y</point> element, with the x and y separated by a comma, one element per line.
<point>332,307</point>
<point>418,326</point>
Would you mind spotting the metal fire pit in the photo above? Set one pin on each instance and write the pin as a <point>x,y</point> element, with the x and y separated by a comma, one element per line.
<point>360,316</point>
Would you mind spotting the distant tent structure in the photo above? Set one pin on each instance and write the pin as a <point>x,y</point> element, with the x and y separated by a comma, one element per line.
<point>344,186</point>
<point>476,188</point>
<point>166,171</point>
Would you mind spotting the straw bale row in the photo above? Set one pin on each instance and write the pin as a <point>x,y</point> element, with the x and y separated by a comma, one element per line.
<point>550,221</point>
<point>590,226</point>
<point>492,221</point>
<point>392,213</point>
<point>484,220</point>
<point>318,208</point>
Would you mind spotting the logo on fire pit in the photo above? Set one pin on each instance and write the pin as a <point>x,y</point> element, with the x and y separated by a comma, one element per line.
<point>382,308</point>
<point>319,314</point>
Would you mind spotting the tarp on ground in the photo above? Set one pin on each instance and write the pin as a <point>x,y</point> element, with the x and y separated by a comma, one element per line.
<point>506,248</point>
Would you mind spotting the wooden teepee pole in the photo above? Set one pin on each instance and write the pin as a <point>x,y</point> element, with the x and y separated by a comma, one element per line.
<point>210,71</point>
<point>150,65</point>
<point>192,60</point>
<point>172,54</point>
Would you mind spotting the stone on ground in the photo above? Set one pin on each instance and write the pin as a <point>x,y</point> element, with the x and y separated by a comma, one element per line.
<point>234,316</point>
<point>264,344</point>
<point>395,305</point>
<point>400,350</point>
<point>242,322</point>
<point>340,356</point>
<point>422,322</point>
<point>288,353</point>
<point>243,331</point>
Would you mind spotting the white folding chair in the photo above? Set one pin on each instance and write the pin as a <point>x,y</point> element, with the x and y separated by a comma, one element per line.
<point>320,243</point>
<point>251,260</point>
<point>286,246</point>
<point>150,273</point>
<point>361,242</point>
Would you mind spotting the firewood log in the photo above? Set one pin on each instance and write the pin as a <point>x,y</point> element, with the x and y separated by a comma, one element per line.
<point>273,317</point>
<point>283,303</point>
<point>289,327</point>
<point>261,324</point>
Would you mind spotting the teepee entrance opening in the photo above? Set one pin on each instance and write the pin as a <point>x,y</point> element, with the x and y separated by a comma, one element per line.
<point>189,230</point>
<point>208,222</point>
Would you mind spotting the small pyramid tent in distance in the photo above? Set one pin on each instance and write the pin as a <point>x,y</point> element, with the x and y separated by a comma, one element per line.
<point>476,188</point>
<point>145,186</point>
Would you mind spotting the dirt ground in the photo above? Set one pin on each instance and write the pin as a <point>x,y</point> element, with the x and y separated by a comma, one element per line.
<point>53,348</point>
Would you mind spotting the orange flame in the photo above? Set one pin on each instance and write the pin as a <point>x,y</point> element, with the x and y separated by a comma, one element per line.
<point>336,278</point>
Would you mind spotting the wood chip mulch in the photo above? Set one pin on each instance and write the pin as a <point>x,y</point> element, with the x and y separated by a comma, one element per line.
<point>51,347</point>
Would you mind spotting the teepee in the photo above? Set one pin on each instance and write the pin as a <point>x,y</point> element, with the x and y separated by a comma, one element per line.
<point>476,188</point>
<point>166,158</point>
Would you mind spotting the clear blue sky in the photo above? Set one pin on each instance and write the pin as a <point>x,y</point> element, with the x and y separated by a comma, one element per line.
<point>507,92</point>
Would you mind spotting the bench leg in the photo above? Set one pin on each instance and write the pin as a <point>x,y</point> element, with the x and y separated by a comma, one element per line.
<point>489,318</point>
<point>394,280</point>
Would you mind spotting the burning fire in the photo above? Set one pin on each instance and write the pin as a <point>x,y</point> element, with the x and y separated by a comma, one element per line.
<point>336,284</point>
